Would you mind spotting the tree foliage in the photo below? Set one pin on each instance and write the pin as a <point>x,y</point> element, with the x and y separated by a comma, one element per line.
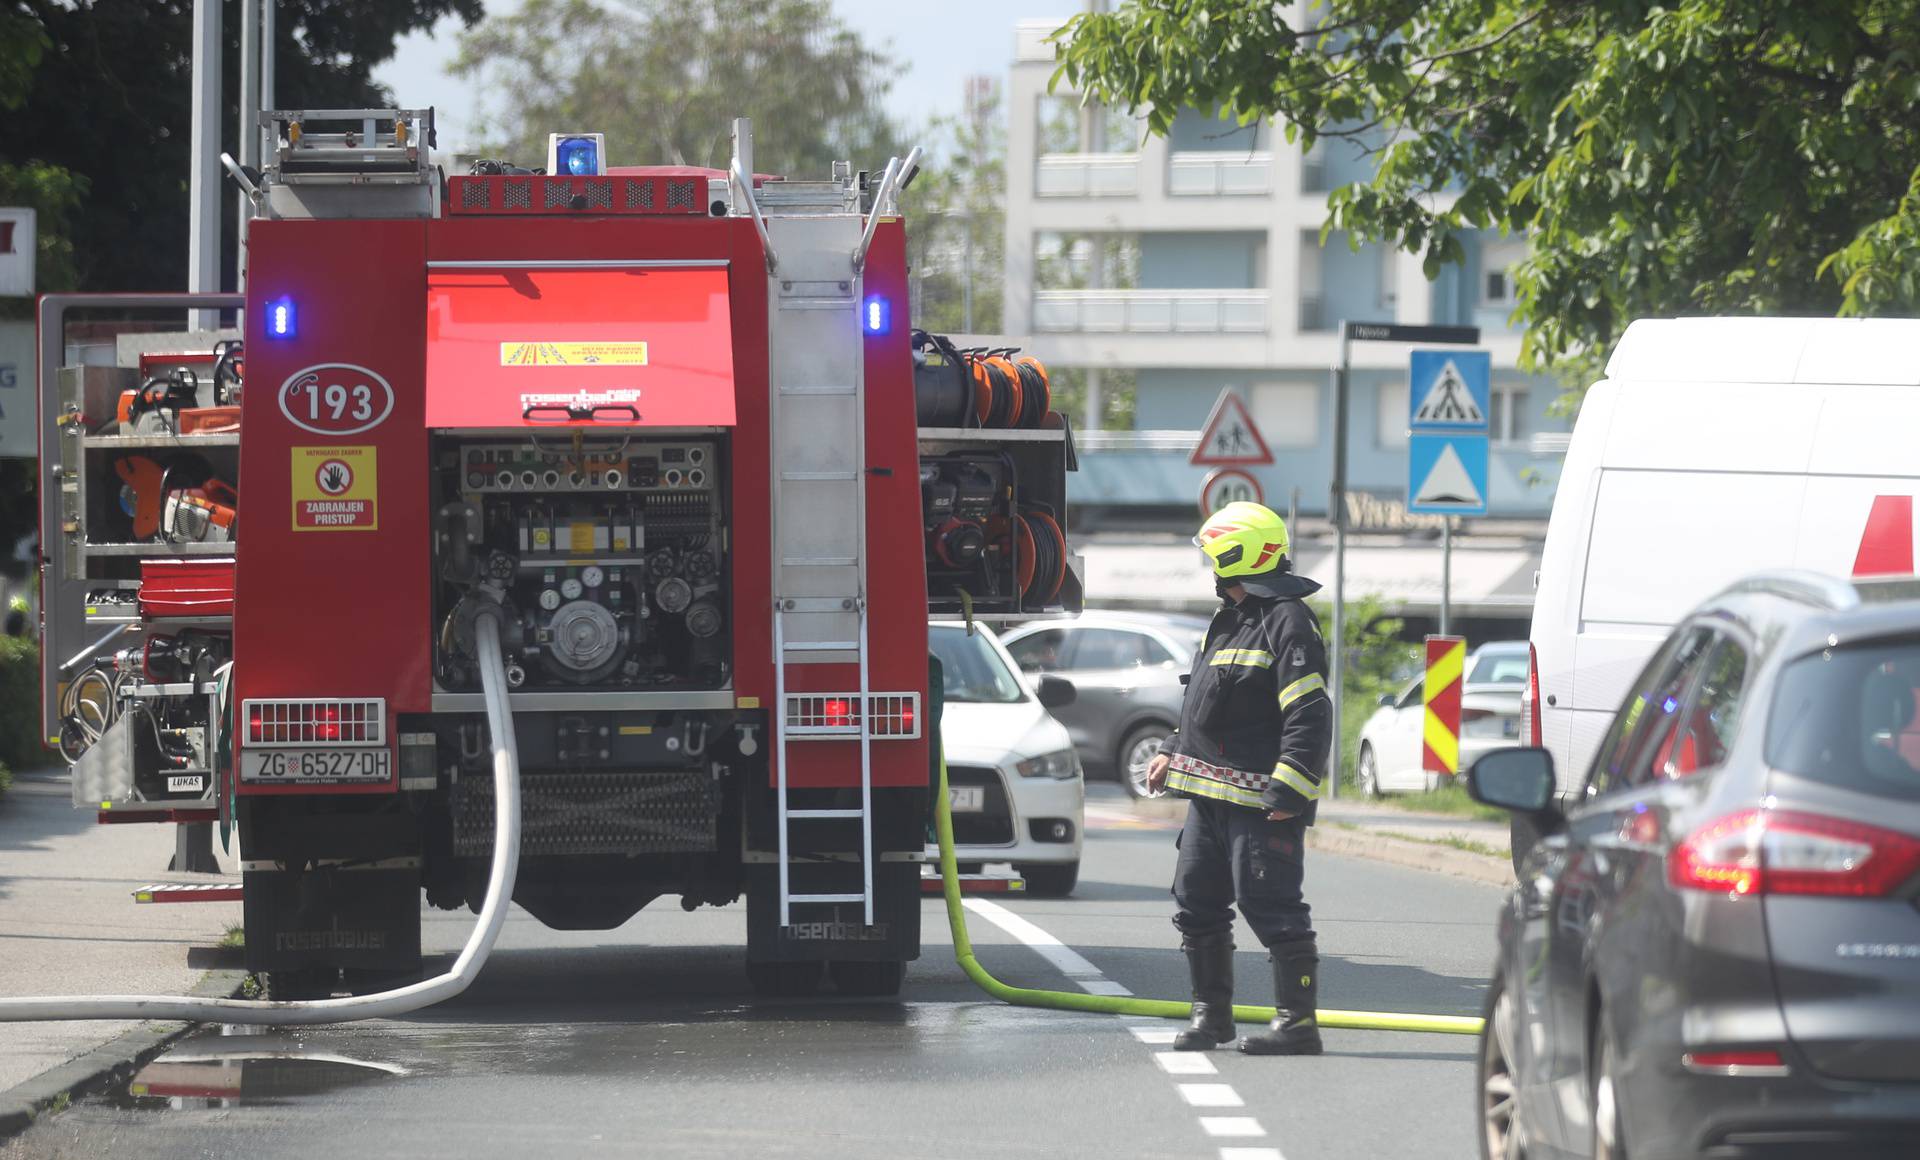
<point>101,93</point>
<point>663,81</point>
<point>956,220</point>
<point>1662,156</point>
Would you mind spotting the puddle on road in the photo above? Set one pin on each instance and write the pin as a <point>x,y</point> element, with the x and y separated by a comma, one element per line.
<point>245,1068</point>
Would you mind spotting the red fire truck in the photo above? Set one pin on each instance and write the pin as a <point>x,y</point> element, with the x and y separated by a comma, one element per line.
<point>670,426</point>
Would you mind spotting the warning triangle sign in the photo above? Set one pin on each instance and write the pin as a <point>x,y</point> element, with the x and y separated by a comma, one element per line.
<point>1449,400</point>
<point>1449,482</point>
<point>1231,439</point>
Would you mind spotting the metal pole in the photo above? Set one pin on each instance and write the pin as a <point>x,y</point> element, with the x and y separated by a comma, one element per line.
<point>203,176</point>
<point>1446,576</point>
<point>1338,668</point>
<point>249,137</point>
<point>1293,511</point>
<point>267,43</point>
<point>1095,405</point>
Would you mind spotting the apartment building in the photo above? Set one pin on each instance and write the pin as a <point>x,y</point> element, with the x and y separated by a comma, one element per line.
<point>1152,272</point>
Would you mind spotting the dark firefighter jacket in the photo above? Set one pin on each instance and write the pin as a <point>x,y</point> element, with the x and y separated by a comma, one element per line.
<point>1257,723</point>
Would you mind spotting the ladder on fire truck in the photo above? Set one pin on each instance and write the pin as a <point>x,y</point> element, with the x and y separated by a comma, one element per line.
<point>814,268</point>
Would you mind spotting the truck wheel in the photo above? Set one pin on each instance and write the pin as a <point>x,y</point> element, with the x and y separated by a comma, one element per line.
<point>785,980</point>
<point>868,979</point>
<point>1051,879</point>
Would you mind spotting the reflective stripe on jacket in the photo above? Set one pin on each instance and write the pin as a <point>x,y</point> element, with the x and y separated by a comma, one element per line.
<point>1257,723</point>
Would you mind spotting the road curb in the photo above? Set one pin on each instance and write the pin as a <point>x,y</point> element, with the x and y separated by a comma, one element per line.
<point>111,1062</point>
<point>1411,854</point>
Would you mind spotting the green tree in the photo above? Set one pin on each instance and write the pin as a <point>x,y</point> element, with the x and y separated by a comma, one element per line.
<point>106,99</point>
<point>956,219</point>
<point>663,81</point>
<point>1662,156</point>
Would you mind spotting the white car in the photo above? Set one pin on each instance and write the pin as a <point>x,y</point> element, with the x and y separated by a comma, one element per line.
<point>1390,742</point>
<point>1014,781</point>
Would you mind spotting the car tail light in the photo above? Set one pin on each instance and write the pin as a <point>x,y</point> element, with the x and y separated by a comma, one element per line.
<point>1736,1063</point>
<point>1530,700</point>
<point>316,721</point>
<point>1762,852</point>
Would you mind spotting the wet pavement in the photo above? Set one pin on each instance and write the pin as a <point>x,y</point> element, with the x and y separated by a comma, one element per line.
<point>646,1040</point>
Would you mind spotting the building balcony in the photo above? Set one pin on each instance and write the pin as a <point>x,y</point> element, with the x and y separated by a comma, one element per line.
<point>1150,311</point>
<point>1220,174</point>
<point>1179,442</point>
<point>1030,44</point>
<point>1087,175</point>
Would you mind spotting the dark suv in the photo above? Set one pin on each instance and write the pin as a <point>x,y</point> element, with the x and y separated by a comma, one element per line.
<point>1715,950</point>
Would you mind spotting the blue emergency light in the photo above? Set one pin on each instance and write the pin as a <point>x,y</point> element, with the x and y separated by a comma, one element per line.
<point>877,318</point>
<point>281,318</point>
<point>575,155</point>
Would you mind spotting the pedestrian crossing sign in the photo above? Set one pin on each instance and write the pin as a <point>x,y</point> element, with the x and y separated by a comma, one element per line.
<point>1449,390</point>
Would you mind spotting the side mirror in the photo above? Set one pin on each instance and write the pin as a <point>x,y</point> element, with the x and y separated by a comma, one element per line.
<point>1387,700</point>
<point>1520,780</point>
<point>1056,693</point>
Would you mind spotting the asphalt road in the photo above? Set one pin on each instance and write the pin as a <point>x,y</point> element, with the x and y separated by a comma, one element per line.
<point>646,1041</point>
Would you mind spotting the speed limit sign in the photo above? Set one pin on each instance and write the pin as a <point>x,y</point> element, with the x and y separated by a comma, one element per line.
<point>1228,485</point>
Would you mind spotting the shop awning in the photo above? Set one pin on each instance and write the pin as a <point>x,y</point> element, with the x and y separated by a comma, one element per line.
<point>515,346</point>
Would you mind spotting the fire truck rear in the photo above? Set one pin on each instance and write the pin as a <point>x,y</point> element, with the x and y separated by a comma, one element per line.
<point>662,426</point>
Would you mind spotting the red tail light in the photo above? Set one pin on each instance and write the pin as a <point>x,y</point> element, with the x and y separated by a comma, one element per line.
<point>1762,852</point>
<point>839,712</point>
<point>327,727</point>
<point>1530,700</point>
<point>1759,1062</point>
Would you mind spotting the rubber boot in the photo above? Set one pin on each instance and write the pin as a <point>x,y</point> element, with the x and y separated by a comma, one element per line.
<point>1210,962</point>
<point>1295,1030</point>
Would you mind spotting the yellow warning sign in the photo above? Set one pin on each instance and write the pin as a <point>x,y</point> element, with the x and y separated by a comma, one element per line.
<point>335,489</point>
<point>573,354</point>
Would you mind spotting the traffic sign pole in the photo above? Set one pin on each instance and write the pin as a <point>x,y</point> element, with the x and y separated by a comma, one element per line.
<point>1350,333</point>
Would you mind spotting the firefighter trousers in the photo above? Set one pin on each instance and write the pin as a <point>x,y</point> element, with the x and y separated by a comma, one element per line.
<point>1229,854</point>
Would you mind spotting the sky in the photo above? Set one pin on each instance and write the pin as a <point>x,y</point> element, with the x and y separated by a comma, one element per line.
<point>942,43</point>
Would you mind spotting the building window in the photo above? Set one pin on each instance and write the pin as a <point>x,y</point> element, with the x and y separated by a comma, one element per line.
<point>1391,416</point>
<point>1497,260</point>
<point>1288,414</point>
<point>1508,424</point>
<point>1118,393</point>
<point>1086,261</point>
<point>1059,125</point>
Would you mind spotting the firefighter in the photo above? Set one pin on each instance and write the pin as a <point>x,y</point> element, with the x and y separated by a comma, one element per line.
<point>1249,757</point>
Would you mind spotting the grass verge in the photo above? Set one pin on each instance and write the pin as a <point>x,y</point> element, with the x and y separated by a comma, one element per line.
<point>1450,841</point>
<point>1451,800</point>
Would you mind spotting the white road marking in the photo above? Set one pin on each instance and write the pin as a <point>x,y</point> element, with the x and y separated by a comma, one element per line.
<point>1211,1095</point>
<point>1070,962</point>
<point>1184,1063</point>
<point>1153,1032</point>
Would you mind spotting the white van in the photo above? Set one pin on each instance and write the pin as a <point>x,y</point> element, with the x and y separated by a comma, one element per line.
<point>1714,448</point>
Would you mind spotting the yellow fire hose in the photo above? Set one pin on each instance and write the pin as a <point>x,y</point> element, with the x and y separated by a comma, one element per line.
<point>1128,1005</point>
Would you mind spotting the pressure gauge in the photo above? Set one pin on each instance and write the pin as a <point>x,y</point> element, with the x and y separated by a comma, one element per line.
<point>570,588</point>
<point>591,576</point>
<point>549,599</point>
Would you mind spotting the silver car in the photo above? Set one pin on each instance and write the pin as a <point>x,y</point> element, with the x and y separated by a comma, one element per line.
<point>1126,667</point>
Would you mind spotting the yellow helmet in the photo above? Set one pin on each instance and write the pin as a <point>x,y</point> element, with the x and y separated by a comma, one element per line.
<point>1243,539</point>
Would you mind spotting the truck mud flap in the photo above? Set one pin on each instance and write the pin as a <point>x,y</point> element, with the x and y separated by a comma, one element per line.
<point>354,919</point>
<point>835,931</point>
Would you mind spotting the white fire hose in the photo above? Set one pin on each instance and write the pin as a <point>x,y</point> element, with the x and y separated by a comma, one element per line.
<point>493,913</point>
